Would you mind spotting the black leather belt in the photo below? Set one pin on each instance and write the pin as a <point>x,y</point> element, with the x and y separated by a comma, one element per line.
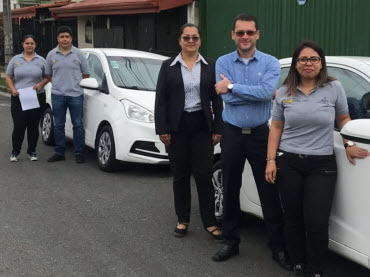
<point>303,156</point>
<point>247,131</point>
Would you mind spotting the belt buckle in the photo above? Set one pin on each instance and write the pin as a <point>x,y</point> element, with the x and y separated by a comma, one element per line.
<point>302,156</point>
<point>246,131</point>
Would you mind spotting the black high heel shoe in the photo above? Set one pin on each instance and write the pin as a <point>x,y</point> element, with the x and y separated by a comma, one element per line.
<point>180,232</point>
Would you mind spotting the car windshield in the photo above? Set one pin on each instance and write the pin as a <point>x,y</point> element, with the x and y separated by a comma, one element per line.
<point>134,73</point>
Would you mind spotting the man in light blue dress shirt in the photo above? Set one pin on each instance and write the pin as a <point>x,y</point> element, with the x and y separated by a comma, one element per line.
<point>246,80</point>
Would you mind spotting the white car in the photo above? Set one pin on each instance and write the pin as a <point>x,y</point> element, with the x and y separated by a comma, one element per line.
<point>349,230</point>
<point>118,108</point>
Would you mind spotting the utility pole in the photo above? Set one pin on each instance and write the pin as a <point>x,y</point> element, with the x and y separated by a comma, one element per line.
<point>8,31</point>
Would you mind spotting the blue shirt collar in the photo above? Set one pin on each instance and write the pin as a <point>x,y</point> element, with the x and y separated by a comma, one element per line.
<point>256,55</point>
<point>70,51</point>
<point>180,60</point>
<point>34,57</point>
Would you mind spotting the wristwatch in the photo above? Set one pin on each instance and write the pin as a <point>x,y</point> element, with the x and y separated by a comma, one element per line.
<point>230,87</point>
<point>349,143</point>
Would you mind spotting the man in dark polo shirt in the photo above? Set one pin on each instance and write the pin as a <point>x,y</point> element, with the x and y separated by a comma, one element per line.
<point>66,66</point>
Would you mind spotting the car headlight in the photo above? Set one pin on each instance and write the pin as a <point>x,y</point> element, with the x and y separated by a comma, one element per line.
<point>137,112</point>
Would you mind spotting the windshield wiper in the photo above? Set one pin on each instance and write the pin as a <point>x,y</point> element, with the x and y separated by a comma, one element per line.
<point>136,88</point>
<point>131,87</point>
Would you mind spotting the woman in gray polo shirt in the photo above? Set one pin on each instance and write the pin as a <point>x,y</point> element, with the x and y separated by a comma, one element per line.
<point>301,143</point>
<point>26,70</point>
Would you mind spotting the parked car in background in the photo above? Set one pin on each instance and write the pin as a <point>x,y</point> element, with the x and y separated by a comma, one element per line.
<point>349,231</point>
<point>118,108</point>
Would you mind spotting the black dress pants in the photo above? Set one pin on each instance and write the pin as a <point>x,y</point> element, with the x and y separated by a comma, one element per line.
<point>23,120</point>
<point>306,186</point>
<point>236,148</point>
<point>191,152</point>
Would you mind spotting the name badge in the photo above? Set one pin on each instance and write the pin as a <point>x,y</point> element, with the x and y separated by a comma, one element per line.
<point>246,131</point>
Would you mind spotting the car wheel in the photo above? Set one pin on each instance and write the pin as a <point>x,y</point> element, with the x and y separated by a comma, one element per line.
<point>47,127</point>
<point>105,149</point>
<point>217,184</point>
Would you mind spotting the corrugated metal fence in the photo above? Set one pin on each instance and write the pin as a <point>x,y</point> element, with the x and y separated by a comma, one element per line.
<point>341,27</point>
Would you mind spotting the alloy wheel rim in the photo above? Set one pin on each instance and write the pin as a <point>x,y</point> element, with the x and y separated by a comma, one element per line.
<point>46,126</point>
<point>217,184</point>
<point>104,148</point>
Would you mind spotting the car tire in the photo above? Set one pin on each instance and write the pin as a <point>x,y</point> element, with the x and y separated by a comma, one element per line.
<point>217,184</point>
<point>47,127</point>
<point>106,150</point>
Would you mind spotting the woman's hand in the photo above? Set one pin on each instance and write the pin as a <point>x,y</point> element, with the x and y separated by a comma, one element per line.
<point>216,139</point>
<point>166,139</point>
<point>15,92</point>
<point>38,87</point>
<point>355,152</point>
<point>270,172</point>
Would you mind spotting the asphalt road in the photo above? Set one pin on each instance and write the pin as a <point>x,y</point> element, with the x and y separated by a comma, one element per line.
<point>68,219</point>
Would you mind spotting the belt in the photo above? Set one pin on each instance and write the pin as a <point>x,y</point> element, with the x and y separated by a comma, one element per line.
<point>193,113</point>
<point>304,156</point>
<point>247,131</point>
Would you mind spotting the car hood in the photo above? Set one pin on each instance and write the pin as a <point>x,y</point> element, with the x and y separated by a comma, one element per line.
<point>143,98</point>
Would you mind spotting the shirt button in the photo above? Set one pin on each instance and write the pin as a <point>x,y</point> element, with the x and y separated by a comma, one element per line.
<point>246,80</point>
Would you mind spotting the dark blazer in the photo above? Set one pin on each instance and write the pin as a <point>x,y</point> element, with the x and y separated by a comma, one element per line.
<point>170,98</point>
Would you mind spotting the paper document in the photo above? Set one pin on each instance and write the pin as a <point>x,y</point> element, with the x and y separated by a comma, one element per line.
<point>28,98</point>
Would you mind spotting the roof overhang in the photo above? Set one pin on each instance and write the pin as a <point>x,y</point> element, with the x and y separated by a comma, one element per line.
<point>29,12</point>
<point>115,7</point>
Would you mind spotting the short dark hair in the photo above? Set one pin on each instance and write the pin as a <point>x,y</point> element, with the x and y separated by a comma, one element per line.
<point>245,17</point>
<point>64,29</point>
<point>188,25</point>
<point>293,78</point>
<point>28,36</point>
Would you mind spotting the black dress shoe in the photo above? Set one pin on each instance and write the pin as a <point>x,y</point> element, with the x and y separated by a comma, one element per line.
<point>80,158</point>
<point>56,158</point>
<point>226,252</point>
<point>283,260</point>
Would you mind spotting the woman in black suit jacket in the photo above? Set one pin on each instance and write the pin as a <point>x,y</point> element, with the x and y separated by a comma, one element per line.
<point>184,121</point>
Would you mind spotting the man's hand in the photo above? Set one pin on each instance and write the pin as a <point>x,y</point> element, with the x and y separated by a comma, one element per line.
<point>221,86</point>
<point>216,139</point>
<point>166,139</point>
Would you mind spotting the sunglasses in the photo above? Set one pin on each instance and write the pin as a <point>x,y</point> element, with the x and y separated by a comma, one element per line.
<point>304,60</point>
<point>188,38</point>
<point>249,33</point>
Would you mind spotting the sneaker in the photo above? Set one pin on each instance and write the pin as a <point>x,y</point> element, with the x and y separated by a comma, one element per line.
<point>32,156</point>
<point>80,159</point>
<point>299,270</point>
<point>14,157</point>
<point>56,158</point>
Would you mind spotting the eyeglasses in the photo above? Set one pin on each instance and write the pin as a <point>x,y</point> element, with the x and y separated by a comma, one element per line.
<point>249,33</point>
<point>188,38</point>
<point>304,60</point>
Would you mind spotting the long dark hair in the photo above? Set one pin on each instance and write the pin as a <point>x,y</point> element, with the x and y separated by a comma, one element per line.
<point>293,78</point>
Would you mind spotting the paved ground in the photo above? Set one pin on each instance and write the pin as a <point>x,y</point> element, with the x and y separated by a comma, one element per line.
<point>66,219</point>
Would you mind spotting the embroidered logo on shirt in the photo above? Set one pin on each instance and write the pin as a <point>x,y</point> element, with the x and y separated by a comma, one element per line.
<point>289,101</point>
<point>53,61</point>
<point>18,64</point>
<point>323,101</point>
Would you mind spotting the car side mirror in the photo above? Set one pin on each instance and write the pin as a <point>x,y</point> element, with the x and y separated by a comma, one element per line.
<point>357,130</point>
<point>89,83</point>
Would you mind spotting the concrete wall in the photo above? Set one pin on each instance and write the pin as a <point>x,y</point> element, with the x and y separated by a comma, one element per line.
<point>83,37</point>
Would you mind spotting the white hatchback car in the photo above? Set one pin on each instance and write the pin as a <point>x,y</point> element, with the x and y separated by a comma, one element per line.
<point>118,108</point>
<point>349,231</point>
